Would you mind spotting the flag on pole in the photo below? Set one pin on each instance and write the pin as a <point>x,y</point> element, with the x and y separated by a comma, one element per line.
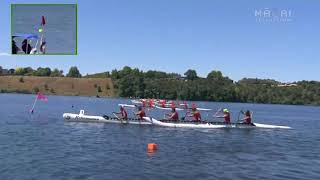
<point>43,21</point>
<point>41,96</point>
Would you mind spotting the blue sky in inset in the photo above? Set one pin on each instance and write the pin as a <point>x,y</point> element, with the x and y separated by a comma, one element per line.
<point>175,35</point>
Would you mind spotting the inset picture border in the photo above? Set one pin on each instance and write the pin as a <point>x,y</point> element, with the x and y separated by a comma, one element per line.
<point>44,29</point>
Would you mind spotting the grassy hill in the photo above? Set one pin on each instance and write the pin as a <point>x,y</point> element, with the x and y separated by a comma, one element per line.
<point>57,85</point>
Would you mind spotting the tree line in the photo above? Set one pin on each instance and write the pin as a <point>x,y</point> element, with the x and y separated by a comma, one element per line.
<point>45,72</point>
<point>132,82</point>
<point>214,87</point>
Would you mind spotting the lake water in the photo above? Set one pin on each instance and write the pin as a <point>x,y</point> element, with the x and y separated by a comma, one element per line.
<point>60,29</point>
<point>43,146</point>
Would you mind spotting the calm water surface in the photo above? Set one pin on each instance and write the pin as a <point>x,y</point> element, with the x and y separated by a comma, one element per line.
<point>43,146</point>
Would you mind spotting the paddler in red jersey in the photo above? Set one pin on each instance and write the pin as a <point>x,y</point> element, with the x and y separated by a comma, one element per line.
<point>141,113</point>
<point>226,116</point>
<point>123,113</point>
<point>195,114</point>
<point>174,116</point>
<point>247,118</point>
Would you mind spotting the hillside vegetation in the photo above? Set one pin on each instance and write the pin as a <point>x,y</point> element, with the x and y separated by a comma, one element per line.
<point>132,82</point>
<point>57,85</point>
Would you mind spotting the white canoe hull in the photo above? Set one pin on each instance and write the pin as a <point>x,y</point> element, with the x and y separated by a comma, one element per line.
<point>211,125</point>
<point>81,117</point>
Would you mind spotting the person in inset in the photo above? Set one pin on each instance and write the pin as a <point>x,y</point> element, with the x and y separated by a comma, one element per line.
<point>122,113</point>
<point>26,47</point>
<point>174,116</point>
<point>226,116</point>
<point>43,47</point>
<point>195,114</point>
<point>15,48</point>
<point>141,113</point>
<point>247,118</point>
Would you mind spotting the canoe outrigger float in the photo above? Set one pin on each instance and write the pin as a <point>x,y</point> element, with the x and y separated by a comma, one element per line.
<point>81,117</point>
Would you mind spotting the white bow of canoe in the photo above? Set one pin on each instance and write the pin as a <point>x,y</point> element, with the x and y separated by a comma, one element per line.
<point>82,117</point>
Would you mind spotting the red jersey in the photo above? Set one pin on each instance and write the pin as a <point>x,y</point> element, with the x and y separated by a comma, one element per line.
<point>141,114</point>
<point>197,116</point>
<point>247,119</point>
<point>227,117</point>
<point>175,116</point>
<point>124,114</point>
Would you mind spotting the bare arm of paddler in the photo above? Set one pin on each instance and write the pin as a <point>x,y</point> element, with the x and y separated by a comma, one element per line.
<point>140,113</point>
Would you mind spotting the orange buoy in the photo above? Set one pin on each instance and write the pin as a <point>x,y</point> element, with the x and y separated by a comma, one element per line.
<point>152,147</point>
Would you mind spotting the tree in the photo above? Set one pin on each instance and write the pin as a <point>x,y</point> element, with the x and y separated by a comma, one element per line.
<point>216,75</point>
<point>36,89</point>
<point>99,89</point>
<point>42,72</point>
<point>28,71</point>
<point>115,74</point>
<point>21,80</point>
<point>20,71</point>
<point>11,71</point>
<point>74,72</point>
<point>191,74</point>
<point>56,73</point>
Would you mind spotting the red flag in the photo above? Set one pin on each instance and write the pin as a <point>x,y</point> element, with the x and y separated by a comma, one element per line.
<point>42,97</point>
<point>43,21</point>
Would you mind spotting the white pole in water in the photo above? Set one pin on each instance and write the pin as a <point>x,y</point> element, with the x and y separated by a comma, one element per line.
<point>27,47</point>
<point>41,39</point>
<point>34,104</point>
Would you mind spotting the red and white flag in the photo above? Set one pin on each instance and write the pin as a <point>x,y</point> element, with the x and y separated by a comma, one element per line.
<point>41,96</point>
<point>43,21</point>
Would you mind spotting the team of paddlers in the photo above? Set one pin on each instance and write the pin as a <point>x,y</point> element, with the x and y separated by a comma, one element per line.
<point>193,115</point>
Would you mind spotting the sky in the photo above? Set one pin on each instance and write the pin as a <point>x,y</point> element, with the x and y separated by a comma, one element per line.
<point>176,35</point>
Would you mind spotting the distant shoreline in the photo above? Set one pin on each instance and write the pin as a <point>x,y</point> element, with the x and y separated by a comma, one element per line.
<point>132,82</point>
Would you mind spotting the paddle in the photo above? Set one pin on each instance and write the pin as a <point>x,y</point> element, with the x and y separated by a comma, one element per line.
<point>240,112</point>
<point>115,115</point>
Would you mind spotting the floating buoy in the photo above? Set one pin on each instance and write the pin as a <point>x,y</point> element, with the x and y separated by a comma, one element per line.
<point>152,147</point>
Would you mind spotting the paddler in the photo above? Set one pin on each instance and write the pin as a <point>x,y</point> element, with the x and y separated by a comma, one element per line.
<point>195,114</point>
<point>174,116</point>
<point>247,118</point>
<point>26,47</point>
<point>15,48</point>
<point>226,116</point>
<point>141,113</point>
<point>123,113</point>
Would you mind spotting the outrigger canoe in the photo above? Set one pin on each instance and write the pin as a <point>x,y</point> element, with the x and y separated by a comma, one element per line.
<point>81,117</point>
<point>209,125</point>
